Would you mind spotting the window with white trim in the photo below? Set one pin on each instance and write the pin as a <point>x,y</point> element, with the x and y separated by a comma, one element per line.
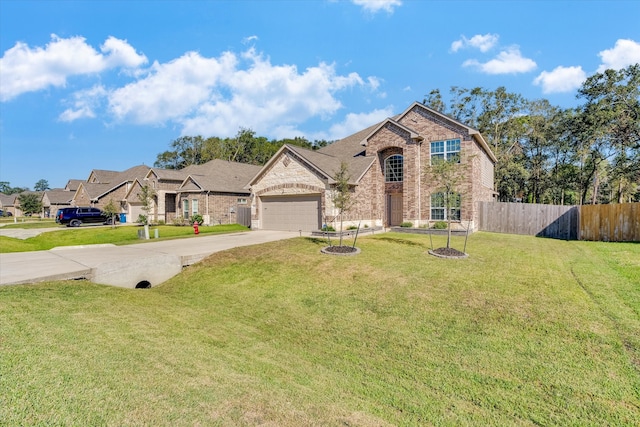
<point>242,201</point>
<point>448,150</point>
<point>439,207</point>
<point>185,208</point>
<point>393,168</point>
<point>194,206</point>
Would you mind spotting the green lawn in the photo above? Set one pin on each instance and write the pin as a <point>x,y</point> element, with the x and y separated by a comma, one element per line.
<point>526,331</point>
<point>91,235</point>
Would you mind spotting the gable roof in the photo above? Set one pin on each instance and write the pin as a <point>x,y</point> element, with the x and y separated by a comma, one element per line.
<point>474,133</point>
<point>219,176</point>
<point>96,191</point>
<point>73,184</point>
<point>168,174</point>
<point>412,133</point>
<point>59,196</point>
<point>7,199</point>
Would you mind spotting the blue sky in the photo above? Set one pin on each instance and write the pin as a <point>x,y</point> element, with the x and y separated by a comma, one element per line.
<point>110,84</point>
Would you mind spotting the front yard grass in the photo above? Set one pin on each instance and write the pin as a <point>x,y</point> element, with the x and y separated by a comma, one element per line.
<point>527,331</point>
<point>91,235</point>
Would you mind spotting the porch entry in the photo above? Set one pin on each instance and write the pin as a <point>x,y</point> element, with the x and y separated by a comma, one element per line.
<point>394,209</point>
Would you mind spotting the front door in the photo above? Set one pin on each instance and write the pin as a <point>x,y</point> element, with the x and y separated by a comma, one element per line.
<point>394,209</point>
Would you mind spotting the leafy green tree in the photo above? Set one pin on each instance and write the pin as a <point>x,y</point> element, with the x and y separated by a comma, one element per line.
<point>341,194</point>
<point>30,203</point>
<point>111,210</point>
<point>6,188</point>
<point>612,116</point>
<point>41,185</point>
<point>434,100</point>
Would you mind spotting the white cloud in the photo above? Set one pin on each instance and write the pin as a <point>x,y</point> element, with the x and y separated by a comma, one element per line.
<point>172,90</point>
<point>217,96</point>
<point>374,6</point>
<point>482,42</point>
<point>508,61</point>
<point>249,39</point>
<point>119,53</point>
<point>84,104</point>
<point>624,53</point>
<point>354,123</point>
<point>24,69</point>
<point>561,79</point>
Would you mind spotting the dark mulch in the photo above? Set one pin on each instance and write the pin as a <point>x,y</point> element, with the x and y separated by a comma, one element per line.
<point>448,252</point>
<point>340,249</point>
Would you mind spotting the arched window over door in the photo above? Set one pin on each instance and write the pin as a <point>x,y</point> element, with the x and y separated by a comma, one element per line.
<point>393,168</point>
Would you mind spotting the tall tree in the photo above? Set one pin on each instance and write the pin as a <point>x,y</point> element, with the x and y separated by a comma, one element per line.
<point>612,111</point>
<point>41,185</point>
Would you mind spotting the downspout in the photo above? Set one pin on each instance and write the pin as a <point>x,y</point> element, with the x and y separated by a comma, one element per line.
<point>207,205</point>
<point>419,186</point>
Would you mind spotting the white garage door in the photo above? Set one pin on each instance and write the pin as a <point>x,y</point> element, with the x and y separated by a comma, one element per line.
<point>291,213</point>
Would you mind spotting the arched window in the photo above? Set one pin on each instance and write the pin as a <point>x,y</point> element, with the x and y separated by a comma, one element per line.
<point>393,166</point>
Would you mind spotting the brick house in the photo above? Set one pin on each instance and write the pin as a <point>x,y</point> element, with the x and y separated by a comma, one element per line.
<point>104,186</point>
<point>216,190</point>
<point>386,164</point>
<point>54,199</point>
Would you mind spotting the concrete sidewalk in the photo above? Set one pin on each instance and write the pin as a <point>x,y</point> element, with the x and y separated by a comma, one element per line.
<point>130,266</point>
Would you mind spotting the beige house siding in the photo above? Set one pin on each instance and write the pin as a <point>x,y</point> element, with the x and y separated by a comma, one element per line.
<point>287,176</point>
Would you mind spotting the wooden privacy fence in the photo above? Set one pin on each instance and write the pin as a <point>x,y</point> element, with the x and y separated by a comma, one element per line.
<point>610,223</point>
<point>559,222</point>
<point>614,223</point>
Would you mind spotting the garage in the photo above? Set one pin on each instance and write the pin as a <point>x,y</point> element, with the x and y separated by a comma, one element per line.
<point>291,213</point>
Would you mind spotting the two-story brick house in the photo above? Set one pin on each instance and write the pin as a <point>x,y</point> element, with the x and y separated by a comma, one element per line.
<point>386,163</point>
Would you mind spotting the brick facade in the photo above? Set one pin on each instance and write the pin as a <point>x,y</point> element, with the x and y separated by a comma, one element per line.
<point>410,135</point>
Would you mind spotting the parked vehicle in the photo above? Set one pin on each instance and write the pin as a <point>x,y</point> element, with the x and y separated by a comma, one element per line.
<point>3,213</point>
<point>75,217</point>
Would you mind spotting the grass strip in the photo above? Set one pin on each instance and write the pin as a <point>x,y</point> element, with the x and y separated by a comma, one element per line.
<point>526,331</point>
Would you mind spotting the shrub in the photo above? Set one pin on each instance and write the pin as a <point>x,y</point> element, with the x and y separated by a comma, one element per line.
<point>328,228</point>
<point>179,221</point>
<point>352,227</point>
<point>440,225</point>
<point>406,224</point>
<point>142,219</point>
<point>366,226</point>
<point>196,217</point>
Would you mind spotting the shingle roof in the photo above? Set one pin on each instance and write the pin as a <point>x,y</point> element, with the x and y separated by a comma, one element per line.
<point>73,184</point>
<point>7,199</point>
<point>96,190</point>
<point>59,196</point>
<point>170,174</point>
<point>221,175</point>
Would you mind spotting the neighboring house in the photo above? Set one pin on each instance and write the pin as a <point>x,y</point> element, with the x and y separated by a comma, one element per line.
<point>8,203</point>
<point>216,190</point>
<point>103,187</point>
<point>386,163</point>
<point>164,183</point>
<point>16,209</point>
<point>55,199</point>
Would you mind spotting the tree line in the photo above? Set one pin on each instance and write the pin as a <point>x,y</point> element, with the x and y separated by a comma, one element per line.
<point>584,155</point>
<point>245,147</point>
<point>546,154</point>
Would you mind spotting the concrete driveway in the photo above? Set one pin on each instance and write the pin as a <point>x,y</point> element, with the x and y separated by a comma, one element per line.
<point>138,265</point>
